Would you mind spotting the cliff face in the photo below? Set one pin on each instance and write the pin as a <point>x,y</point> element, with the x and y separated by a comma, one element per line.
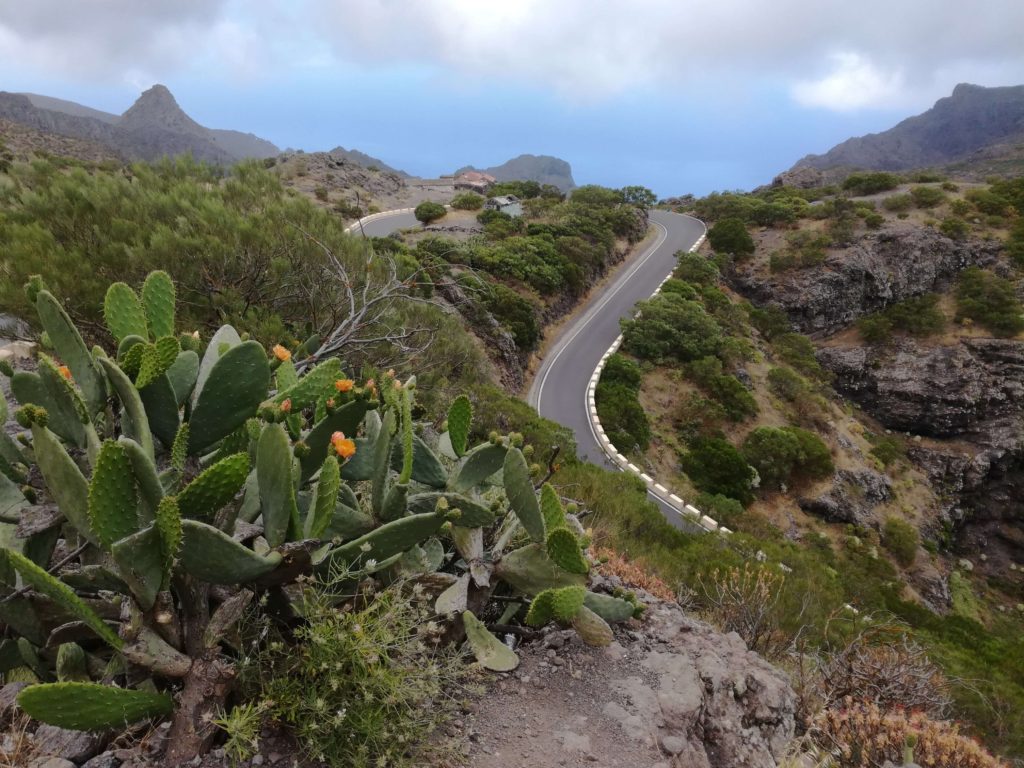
<point>876,271</point>
<point>970,119</point>
<point>543,169</point>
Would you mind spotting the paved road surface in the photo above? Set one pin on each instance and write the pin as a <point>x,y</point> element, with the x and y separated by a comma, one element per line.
<point>559,391</point>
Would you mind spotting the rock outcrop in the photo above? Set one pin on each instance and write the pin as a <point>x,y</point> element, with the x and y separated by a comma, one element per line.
<point>671,691</point>
<point>851,499</point>
<point>968,397</point>
<point>543,169</point>
<point>878,270</point>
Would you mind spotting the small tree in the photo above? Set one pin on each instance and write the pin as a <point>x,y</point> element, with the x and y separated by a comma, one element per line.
<point>730,236</point>
<point>429,211</point>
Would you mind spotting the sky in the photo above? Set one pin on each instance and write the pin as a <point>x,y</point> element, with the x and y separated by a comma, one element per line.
<point>677,95</point>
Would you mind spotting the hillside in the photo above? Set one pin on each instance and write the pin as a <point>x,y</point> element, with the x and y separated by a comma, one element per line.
<point>154,126</point>
<point>543,169</point>
<point>970,120</point>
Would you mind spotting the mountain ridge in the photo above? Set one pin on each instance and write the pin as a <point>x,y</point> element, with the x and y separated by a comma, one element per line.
<point>543,169</point>
<point>972,118</point>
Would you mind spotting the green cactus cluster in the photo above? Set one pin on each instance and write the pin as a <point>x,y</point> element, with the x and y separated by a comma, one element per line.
<point>179,480</point>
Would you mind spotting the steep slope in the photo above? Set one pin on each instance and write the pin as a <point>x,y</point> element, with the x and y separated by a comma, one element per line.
<point>543,169</point>
<point>154,126</point>
<point>972,118</point>
<point>365,160</point>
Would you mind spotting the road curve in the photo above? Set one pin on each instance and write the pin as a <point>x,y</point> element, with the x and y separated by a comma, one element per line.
<point>559,390</point>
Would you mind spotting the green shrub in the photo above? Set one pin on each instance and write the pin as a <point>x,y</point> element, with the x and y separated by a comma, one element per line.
<point>960,207</point>
<point>887,449</point>
<point>619,369</point>
<point>804,249</point>
<point>679,287</point>
<point>468,201</point>
<point>901,539</point>
<point>671,327</point>
<point>773,453</point>
<point>729,235</point>
<point>725,511</point>
<point>815,460</point>
<point>357,686</point>
<point>428,211</point>
<point>622,417</point>
<point>927,197</point>
<point>695,269</point>
<point>321,194</point>
<point>735,399</point>
<point>954,228</point>
<point>990,300</point>
<point>918,315</point>
<point>1015,243</point>
<point>898,203</point>
<point>875,329</point>
<point>874,220</point>
<point>715,466</point>
<point>517,313</point>
<point>988,202</point>
<point>798,351</point>
<point>949,186</point>
<point>787,384</point>
<point>870,183</point>
<point>770,321</point>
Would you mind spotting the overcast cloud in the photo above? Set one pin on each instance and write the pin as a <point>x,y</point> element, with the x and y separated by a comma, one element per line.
<point>834,55</point>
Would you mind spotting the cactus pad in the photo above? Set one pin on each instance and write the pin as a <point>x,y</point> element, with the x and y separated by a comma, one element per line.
<point>224,335</point>
<point>395,502</point>
<point>64,480</point>
<point>460,417</point>
<point>551,509</point>
<point>347,523</point>
<point>325,498</point>
<point>479,464</point>
<point>564,551</point>
<point>71,666</point>
<point>91,707</point>
<point>521,496</point>
<point>168,524</point>
<point>531,571</point>
<point>489,651</point>
<point>233,391</point>
<point>140,563</point>
<point>276,485</point>
<point>113,499</point>
<point>182,375</point>
<point>123,312</point>
<point>71,348</point>
<point>61,594</point>
<point>211,555</point>
<point>389,539</point>
<point>592,629</point>
<point>161,406</point>
<point>612,609</point>
<point>134,421</point>
<point>471,514</point>
<point>346,419</point>
<point>214,487</point>
<point>318,381</point>
<point>146,478</point>
<point>158,302</point>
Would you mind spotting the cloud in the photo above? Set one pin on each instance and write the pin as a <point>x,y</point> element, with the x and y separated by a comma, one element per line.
<point>827,54</point>
<point>854,83</point>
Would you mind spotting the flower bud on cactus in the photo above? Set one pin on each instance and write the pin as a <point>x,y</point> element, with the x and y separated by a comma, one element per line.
<point>301,449</point>
<point>528,451</point>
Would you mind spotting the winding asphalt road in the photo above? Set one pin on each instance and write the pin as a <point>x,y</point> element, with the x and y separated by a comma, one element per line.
<point>559,390</point>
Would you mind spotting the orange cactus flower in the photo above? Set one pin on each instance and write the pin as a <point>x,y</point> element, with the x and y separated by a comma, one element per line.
<point>281,353</point>
<point>286,406</point>
<point>344,385</point>
<point>65,372</point>
<point>342,445</point>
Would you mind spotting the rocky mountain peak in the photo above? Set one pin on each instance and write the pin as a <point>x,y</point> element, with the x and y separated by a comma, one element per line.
<point>157,107</point>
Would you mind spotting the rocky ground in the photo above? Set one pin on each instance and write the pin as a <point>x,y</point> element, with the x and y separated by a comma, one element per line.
<point>671,691</point>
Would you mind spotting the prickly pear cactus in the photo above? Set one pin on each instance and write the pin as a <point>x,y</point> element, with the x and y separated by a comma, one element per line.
<point>91,707</point>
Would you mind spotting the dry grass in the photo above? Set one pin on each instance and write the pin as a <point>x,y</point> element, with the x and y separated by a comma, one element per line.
<point>613,564</point>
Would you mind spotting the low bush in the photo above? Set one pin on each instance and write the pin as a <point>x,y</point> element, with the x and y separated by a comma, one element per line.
<point>988,202</point>
<point>887,449</point>
<point>918,316</point>
<point>804,249</point>
<point>670,327</point>
<point>782,456</point>
<point>927,197</point>
<point>875,329</point>
<point>870,183</point>
<point>468,201</point>
<point>954,228</point>
<point>695,269</point>
<point>725,511</point>
<point>619,369</point>
<point>729,235</point>
<point>622,417</point>
<point>787,384</point>
<point>874,221</point>
<point>901,539</point>
<point>736,401</point>
<point>798,351</point>
<point>990,300</point>
<point>427,212</point>
<point>770,321</point>
<point>360,687</point>
<point>898,203</point>
<point>516,313</point>
<point>715,466</point>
